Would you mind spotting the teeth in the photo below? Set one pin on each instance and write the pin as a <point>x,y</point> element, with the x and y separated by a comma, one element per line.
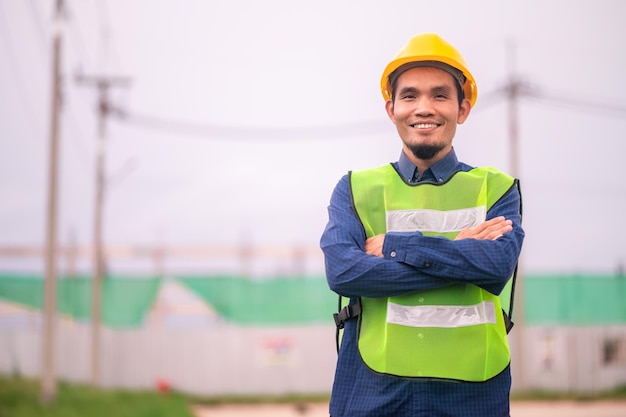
<point>425,125</point>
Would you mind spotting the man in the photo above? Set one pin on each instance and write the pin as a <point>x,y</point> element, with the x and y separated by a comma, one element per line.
<point>422,247</point>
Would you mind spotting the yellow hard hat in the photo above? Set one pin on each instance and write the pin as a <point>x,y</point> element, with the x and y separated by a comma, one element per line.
<point>430,47</point>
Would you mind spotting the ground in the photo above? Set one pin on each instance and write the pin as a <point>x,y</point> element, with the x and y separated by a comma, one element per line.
<point>518,409</point>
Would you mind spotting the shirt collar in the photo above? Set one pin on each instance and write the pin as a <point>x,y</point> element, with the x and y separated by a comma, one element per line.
<point>440,170</point>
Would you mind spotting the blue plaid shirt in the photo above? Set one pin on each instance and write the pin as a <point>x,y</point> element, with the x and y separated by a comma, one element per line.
<point>420,263</point>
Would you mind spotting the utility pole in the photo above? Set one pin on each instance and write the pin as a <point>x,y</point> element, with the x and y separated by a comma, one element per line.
<point>103,84</point>
<point>513,90</point>
<point>48,370</point>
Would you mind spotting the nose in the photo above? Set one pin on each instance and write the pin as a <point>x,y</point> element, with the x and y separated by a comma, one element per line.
<point>423,106</point>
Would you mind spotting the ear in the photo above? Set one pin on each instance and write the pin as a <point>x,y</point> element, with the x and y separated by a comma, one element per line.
<point>464,111</point>
<point>390,110</point>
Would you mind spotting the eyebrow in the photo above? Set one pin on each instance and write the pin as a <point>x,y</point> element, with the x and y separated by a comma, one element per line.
<point>440,89</point>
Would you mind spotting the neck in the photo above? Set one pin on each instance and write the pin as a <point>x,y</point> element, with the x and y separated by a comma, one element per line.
<point>423,164</point>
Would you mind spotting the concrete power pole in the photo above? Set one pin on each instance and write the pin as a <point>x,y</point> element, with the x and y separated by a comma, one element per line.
<point>514,89</point>
<point>103,84</point>
<point>48,369</point>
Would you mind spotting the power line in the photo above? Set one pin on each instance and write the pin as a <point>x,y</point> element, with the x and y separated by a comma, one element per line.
<point>217,131</point>
<point>525,90</point>
<point>588,105</point>
<point>515,89</point>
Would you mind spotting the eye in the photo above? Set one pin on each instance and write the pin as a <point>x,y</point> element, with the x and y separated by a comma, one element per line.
<point>407,93</point>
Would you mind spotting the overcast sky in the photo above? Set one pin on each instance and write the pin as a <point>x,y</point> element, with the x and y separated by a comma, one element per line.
<point>243,115</point>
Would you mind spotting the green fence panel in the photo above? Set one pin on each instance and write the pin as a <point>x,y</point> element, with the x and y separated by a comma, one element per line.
<point>74,297</point>
<point>575,299</point>
<point>280,301</point>
<point>548,299</point>
<point>22,289</point>
<point>125,300</point>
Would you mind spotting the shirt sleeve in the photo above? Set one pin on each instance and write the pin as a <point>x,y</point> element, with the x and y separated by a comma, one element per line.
<point>488,264</point>
<point>353,273</point>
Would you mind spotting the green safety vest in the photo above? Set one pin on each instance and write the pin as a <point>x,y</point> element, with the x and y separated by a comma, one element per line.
<point>455,332</point>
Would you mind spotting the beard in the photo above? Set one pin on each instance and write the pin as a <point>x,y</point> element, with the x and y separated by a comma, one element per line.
<point>425,152</point>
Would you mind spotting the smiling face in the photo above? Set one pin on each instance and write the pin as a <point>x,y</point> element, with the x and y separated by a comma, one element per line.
<point>426,110</point>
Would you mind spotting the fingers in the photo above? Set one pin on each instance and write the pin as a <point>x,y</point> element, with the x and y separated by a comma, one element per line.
<point>493,229</point>
<point>488,230</point>
<point>374,245</point>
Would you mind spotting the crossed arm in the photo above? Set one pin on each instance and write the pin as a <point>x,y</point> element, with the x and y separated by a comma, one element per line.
<point>398,263</point>
<point>488,230</point>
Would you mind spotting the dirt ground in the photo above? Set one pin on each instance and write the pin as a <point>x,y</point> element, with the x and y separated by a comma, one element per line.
<point>518,409</point>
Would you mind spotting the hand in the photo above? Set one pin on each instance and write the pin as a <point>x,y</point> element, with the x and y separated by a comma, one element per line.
<point>488,230</point>
<point>374,245</point>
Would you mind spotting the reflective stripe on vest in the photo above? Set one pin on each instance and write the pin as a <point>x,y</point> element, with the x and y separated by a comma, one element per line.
<point>435,221</point>
<point>441,316</point>
<point>453,332</point>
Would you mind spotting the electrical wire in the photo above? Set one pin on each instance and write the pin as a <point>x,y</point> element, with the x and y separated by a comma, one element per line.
<point>350,130</point>
<point>215,131</point>
<point>229,132</point>
<point>588,105</point>
<point>555,99</point>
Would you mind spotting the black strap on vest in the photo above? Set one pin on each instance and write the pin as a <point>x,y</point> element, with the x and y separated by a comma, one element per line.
<point>349,312</point>
<point>508,323</point>
<point>508,317</point>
